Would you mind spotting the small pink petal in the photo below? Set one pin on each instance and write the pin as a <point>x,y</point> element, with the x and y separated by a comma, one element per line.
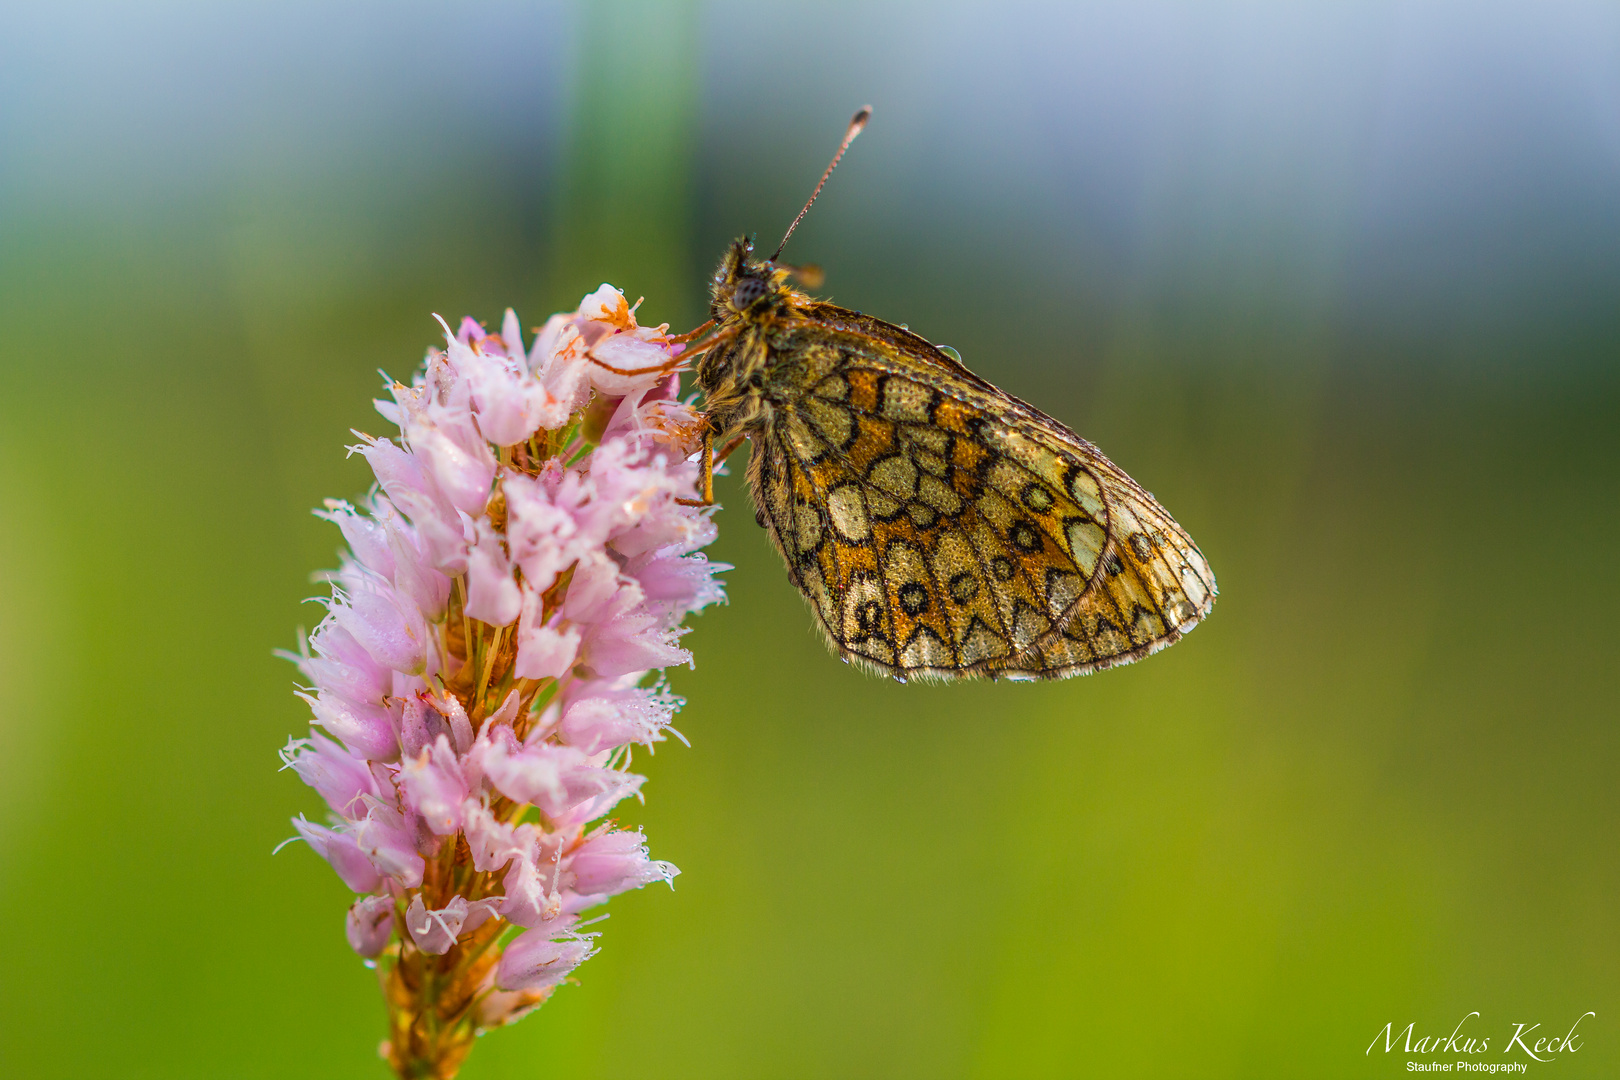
<point>433,787</point>
<point>341,778</point>
<point>370,924</point>
<point>542,957</point>
<point>390,845</point>
<point>434,932</point>
<point>343,852</point>
<point>611,862</point>
<point>387,625</point>
<point>342,666</point>
<point>367,730</point>
<point>464,476</point>
<point>543,651</point>
<point>493,596</point>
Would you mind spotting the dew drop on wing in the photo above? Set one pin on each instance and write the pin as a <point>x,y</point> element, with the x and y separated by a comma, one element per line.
<point>901,679</point>
<point>950,352</point>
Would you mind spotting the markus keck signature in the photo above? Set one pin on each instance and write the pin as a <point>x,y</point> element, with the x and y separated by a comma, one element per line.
<point>1516,1041</point>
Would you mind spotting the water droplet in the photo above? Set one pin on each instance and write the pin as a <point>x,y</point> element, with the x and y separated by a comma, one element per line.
<point>950,352</point>
<point>901,679</point>
<point>905,326</point>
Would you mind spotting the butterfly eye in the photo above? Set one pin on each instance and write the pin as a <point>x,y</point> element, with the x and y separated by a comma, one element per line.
<point>748,290</point>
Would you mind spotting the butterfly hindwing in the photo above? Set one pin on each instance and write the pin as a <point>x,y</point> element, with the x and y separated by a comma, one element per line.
<point>941,528</point>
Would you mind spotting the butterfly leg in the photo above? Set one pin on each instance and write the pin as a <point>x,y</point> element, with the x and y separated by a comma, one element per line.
<point>711,341</point>
<point>705,471</point>
<point>669,365</point>
<point>695,332</point>
<point>674,362</point>
<point>706,465</point>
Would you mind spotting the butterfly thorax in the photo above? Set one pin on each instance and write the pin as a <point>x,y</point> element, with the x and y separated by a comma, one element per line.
<point>752,302</point>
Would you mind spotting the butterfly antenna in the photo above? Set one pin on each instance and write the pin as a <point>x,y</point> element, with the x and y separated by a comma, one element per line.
<point>855,126</point>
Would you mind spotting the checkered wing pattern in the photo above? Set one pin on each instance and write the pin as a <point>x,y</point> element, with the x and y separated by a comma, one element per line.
<point>942,528</point>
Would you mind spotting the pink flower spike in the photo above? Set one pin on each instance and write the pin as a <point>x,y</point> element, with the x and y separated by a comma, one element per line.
<point>342,851</point>
<point>542,957</point>
<point>370,924</point>
<point>525,565</point>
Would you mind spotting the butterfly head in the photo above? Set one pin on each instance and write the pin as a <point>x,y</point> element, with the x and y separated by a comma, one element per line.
<point>744,287</point>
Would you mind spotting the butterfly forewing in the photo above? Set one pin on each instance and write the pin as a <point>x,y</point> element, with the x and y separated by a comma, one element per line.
<point>940,527</point>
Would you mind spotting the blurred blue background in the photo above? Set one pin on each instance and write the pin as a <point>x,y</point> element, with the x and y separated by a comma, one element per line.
<point>1337,282</point>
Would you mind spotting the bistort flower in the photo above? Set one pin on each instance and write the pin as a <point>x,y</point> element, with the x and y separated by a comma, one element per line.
<point>512,584</point>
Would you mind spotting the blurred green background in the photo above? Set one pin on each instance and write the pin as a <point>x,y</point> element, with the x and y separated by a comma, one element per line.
<point>1338,282</point>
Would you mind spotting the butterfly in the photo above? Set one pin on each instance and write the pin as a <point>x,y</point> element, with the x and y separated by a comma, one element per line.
<point>938,526</point>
